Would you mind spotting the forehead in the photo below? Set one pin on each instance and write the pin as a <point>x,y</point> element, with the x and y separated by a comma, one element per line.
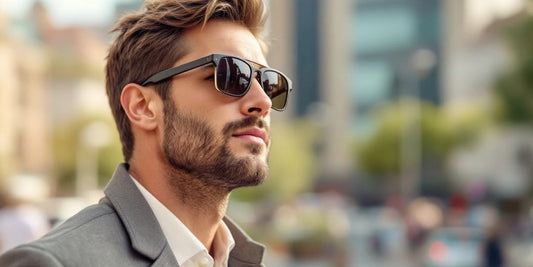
<point>222,37</point>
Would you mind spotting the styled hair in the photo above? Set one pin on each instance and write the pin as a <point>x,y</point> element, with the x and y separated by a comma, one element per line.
<point>151,40</point>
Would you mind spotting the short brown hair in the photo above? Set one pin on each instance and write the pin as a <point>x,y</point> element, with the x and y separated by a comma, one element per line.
<point>150,40</point>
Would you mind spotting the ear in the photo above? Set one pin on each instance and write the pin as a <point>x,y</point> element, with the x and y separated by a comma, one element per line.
<point>141,105</point>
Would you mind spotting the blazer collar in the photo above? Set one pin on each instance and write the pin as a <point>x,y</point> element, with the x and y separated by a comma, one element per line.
<point>246,251</point>
<point>140,222</point>
<point>146,235</point>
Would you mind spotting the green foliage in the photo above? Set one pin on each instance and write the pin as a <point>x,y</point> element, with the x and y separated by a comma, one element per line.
<point>292,164</point>
<point>380,153</point>
<point>108,159</point>
<point>66,142</point>
<point>440,132</point>
<point>514,90</point>
<point>68,65</point>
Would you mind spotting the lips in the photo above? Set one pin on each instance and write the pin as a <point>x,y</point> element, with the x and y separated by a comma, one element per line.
<point>253,134</point>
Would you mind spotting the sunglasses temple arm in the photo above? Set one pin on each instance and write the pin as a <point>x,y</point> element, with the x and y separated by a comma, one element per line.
<point>163,75</point>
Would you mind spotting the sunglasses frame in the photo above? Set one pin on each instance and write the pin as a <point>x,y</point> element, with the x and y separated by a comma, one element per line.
<point>215,59</point>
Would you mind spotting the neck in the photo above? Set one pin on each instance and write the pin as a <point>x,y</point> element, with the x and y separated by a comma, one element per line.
<point>199,206</point>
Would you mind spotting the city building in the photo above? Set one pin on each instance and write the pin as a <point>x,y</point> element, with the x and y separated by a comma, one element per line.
<point>23,117</point>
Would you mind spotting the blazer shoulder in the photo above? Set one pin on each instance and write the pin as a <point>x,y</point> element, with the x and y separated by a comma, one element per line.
<point>29,255</point>
<point>100,215</point>
<point>94,231</point>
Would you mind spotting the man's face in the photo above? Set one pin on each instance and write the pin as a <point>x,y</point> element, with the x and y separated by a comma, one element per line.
<point>220,139</point>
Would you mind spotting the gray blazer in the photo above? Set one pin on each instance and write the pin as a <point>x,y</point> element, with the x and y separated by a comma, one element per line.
<point>120,230</point>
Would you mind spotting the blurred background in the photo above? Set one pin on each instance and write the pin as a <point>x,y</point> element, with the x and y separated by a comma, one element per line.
<point>408,140</point>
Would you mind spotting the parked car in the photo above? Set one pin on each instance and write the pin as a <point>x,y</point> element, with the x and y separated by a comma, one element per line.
<point>454,246</point>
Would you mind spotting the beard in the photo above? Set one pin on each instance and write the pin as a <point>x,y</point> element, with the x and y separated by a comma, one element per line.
<point>193,148</point>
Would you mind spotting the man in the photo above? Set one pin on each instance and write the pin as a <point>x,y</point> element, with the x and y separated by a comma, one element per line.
<point>191,95</point>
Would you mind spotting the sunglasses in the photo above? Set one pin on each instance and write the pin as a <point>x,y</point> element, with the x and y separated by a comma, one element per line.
<point>233,76</point>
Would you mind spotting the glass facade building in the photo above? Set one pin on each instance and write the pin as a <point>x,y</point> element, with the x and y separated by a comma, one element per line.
<point>307,49</point>
<point>387,33</point>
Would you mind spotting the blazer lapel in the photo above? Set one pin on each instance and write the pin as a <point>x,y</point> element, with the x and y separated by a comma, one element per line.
<point>145,233</point>
<point>246,251</point>
<point>165,259</point>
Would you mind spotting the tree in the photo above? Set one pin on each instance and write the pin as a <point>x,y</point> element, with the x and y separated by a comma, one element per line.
<point>514,90</point>
<point>441,131</point>
<point>66,142</point>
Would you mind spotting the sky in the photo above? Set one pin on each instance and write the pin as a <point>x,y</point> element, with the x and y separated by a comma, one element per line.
<point>100,12</point>
<point>66,12</point>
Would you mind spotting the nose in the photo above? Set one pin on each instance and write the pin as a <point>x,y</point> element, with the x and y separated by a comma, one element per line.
<point>256,101</point>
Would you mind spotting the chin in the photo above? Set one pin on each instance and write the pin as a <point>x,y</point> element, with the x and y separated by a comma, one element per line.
<point>251,171</point>
<point>250,149</point>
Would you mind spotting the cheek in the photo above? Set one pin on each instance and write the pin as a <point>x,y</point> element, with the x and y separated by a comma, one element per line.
<point>207,104</point>
<point>219,117</point>
<point>201,96</point>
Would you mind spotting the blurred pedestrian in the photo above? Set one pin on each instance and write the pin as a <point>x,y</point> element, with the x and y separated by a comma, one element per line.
<point>21,220</point>
<point>21,223</point>
<point>376,243</point>
<point>493,251</point>
<point>191,94</point>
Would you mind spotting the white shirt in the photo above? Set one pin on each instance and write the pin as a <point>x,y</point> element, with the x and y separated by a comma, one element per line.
<point>187,249</point>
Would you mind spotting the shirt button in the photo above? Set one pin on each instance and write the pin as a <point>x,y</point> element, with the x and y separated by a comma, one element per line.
<point>204,262</point>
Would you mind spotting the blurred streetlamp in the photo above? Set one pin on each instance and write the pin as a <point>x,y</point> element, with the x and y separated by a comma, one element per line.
<point>92,137</point>
<point>421,62</point>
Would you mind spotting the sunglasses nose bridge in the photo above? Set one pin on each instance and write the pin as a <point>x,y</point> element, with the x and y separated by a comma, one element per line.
<point>257,75</point>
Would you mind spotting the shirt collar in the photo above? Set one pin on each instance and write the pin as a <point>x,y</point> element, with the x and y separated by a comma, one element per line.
<point>223,244</point>
<point>184,245</point>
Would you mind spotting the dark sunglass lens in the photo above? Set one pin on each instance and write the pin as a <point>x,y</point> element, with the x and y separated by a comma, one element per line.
<point>276,87</point>
<point>233,76</point>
